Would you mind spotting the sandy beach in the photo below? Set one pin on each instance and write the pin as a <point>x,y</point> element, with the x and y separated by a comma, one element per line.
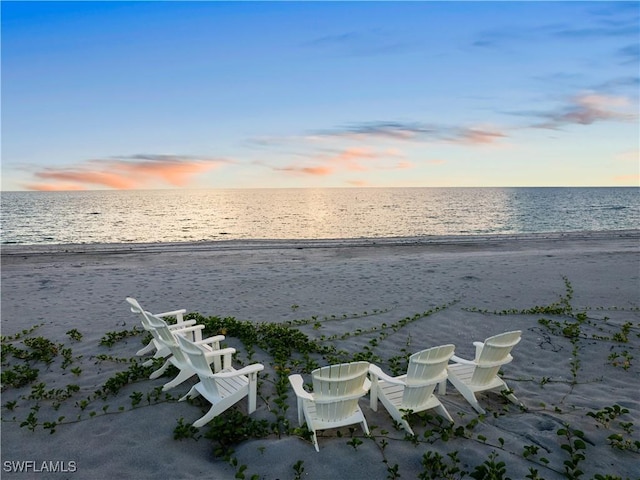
<point>576,371</point>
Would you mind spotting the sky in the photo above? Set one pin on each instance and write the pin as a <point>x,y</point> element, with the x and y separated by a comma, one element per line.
<point>153,95</point>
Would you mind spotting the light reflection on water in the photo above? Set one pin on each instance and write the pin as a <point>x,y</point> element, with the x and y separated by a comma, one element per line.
<point>205,215</point>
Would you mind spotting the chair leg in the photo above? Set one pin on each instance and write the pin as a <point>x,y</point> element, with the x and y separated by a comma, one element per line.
<point>466,393</point>
<point>443,412</point>
<point>193,393</point>
<point>182,376</point>
<point>300,411</point>
<point>373,394</point>
<point>442,388</point>
<point>471,398</point>
<point>207,418</point>
<point>215,410</point>
<point>253,391</point>
<point>513,399</point>
<point>314,439</point>
<point>365,427</point>
<point>147,349</point>
<point>161,370</point>
<point>406,426</point>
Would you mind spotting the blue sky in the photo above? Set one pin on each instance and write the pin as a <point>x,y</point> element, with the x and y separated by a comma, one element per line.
<point>101,95</point>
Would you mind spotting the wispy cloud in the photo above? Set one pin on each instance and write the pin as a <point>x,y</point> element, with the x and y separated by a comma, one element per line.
<point>629,54</point>
<point>371,42</point>
<point>619,21</point>
<point>586,109</point>
<point>614,85</point>
<point>609,29</point>
<point>630,179</point>
<point>126,172</point>
<point>629,156</point>
<point>477,135</point>
<point>382,129</point>
<point>416,131</point>
<point>347,160</point>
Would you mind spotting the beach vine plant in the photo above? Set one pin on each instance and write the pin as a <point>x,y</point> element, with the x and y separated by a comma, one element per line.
<point>288,349</point>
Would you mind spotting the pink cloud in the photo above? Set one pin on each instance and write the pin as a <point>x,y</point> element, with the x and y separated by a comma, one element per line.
<point>629,156</point>
<point>349,158</point>
<point>104,179</point>
<point>319,170</point>
<point>404,165</point>
<point>353,159</point>
<point>53,187</point>
<point>630,179</point>
<point>478,136</point>
<point>589,108</point>
<point>141,171</point>
<point>358,183</point>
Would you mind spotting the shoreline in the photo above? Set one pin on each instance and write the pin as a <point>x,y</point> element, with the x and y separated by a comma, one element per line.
<point>266,244</point>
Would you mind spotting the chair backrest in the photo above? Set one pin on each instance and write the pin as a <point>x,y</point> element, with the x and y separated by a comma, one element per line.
<point>426,369</point>
<point>495,352</point>
<point>136,308</point>
<point>167,338</point>
<point>337,388</point>
<point>199,363</point>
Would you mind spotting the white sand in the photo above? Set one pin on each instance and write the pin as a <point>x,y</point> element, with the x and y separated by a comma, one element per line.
<point>84,287</point>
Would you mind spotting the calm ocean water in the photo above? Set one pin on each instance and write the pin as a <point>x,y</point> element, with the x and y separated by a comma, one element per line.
<point>206,215</point>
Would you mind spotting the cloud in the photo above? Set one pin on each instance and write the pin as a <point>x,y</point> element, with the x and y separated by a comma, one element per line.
<point>127,172</point>
<point>372,42</point>
<point>477,136</point>
<point>415,131</point>
<point>629,54</point>
<point>604,30</point>
<point>382,129</point>
<point>613,21</point>
<point>314,171</point>
<point>435,162</point>
<point>353,159</point>
<point>629,156</point>
<point>630,179</point>
<point>53,187</point>
<point>358,183</point>
<point>618,83</point>
<point>586,109</point>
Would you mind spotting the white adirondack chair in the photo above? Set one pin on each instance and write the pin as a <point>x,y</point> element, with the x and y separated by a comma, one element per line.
<point>334,401</point>
<point>160,351</point>
<point>222,389</point>
<point>413,391</point>
<point>481,374</point>
<point>169,339</point>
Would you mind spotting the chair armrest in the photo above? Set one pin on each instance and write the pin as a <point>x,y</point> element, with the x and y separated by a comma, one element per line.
<point>249,369</point>
<point>220,353</point>
<point>178,326</point>
<point>174,313</point>
<point>297,382</point>
<point>192,328</point>
<point>376,371</point>
<point>456,359</point>
<point>213,356</point>
<point>210,340</point>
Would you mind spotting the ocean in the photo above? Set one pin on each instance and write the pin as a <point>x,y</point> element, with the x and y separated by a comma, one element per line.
<point>151,216</point>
